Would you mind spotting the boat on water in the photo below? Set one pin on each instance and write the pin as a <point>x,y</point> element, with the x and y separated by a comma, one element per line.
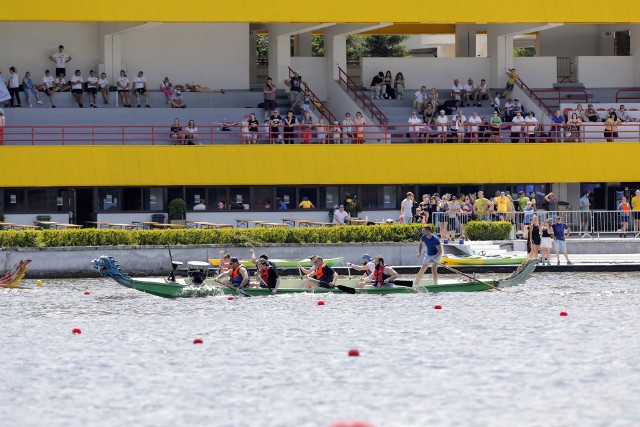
<point>12,278</point>
<point>286,263</point>
<point>197,283</point>
<point>503,259</point>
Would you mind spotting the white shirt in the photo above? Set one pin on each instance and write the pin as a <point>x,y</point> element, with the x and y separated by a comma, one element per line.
<point>456,88</point>
<point>60,81</point>
<point>516,123</point>
<point>482,88</point>
<point>191,130</point>
<point>531,122</point>
<point>339,217</point>
<point>76,82</point>
<point>13,80</point>
<point>61,59</point>
<point>474,121</point>
<point>415,120</point>
<point>48,81</point>
<point>199,207</point>
<point>123,81</point>
<point>139,82</point>
<point>442,120</point>
<point>458,122</point>
<point>103,83</point>
<point>407,205</point>
<point>93,81</point>
<point>469,88</point>
<point>419,95</point>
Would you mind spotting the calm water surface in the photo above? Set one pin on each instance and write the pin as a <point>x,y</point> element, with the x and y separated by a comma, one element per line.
<point>485,359</point>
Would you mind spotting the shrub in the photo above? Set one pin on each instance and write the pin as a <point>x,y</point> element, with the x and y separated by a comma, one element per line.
<point>177,209</point>
<point>485,230</point>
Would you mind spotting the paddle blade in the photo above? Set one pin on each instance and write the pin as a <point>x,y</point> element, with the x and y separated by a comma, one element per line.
<point>346,289</point>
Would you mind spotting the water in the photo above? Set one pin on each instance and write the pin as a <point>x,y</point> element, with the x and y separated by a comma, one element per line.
<point>485,359</point>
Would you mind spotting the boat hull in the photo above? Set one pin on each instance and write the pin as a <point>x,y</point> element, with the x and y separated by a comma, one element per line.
<point>483,260</point>
<point>287,263</point>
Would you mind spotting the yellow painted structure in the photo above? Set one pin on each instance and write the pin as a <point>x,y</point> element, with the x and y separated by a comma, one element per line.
<point>89,166</point>
<point>361,11</point>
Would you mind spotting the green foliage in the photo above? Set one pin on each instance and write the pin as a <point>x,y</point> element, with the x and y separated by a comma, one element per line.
<point>524,51</point>
<point>226,236</point>
<point>177,209</point>
<point>317,45</point>
<point>485,230</point>
<point>262,46</point>
<point>385,46</point>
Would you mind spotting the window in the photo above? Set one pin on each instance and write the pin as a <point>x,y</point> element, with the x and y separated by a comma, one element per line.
<point>14,200</point>
<point>194,196</point>
<point>37,200</point>
<point>369,197</point>
<point>311,193</point>
<point>288,196</point>
<point>390,197</point>
<point>217,198</point>
<point>153,199</point>
<point>239,198</point>
<point>329,197</point>
<point>132,199</point>
<point>108,199</point>
<point>262,198</point>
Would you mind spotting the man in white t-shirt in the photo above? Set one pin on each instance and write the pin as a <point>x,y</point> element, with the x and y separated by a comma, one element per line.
<point>140,87</point>
<point>467,93</point>
<point>420,99</point>
<point>516,127</point>
<point>340,216</point>
<point>474,121</point>
<point>76,82</point>
<point>442,122</point>
<point>531,126</point>
<point>456,89</point>
<point>481,92</point>
<point>92,88</point>
<point>406,208</point>
<point>60,58</point>
<point>414,126</point>
<point>49,83</point>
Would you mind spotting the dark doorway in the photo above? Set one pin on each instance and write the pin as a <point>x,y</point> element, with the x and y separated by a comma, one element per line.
<point>84,206</point>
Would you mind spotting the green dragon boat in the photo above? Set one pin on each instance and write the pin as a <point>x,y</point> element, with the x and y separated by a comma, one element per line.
<point>198,285</point>
<point>286,263</point>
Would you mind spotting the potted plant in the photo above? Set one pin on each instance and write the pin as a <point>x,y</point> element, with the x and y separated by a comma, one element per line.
<point>177,211</point>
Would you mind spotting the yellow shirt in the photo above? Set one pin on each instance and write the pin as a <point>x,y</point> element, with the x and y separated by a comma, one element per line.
<point>635,203</point>
<point>512,78</point>
<point>503,203</point>
<point>306,204</point>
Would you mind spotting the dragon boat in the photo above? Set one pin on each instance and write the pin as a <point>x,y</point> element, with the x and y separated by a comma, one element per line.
<point>483,259</point>
<point>198,284</point>
<point>12,278</point>
<point>286,263</point>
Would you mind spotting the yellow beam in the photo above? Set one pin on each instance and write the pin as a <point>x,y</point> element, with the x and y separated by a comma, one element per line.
<point>315,164</point>
<point>360,11</point>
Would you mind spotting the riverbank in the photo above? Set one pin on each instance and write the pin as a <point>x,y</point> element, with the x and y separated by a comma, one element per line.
<point>587,255</point>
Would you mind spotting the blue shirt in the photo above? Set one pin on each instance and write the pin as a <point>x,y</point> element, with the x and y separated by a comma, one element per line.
<point>558,230</point>
<point>584,201</point>
<point>431,244</point>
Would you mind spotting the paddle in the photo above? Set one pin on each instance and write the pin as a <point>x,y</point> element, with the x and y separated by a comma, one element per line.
<point>238,291</point>
<point>467,276</point>
<point>273,290</point>
<point>346,289</point>
<point>172,275</point>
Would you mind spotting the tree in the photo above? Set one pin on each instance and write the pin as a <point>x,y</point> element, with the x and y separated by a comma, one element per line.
<point>385,46</point>
<point>524,51</point>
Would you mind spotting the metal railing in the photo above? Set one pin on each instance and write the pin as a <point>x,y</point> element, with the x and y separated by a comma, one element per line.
<point>360,97</point>
<point>315,101</point>
<point>531,94</point>
<point>557,96</point>
<point>233,133</point>
<point>619,97</point>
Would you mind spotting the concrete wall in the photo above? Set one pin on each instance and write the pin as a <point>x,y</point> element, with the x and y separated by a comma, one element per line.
<point>538,71</point>
<point>605,71</point>
<point>313,72</point>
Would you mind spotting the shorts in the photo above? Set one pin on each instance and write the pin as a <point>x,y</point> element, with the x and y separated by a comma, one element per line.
<point>76,91</point>
<point>624,218</point>
<point>270,104</point>
<point>141,91</point>
<point>48,91</point>
<point>547,242</point>
<point>456,96</point>
<point>428,259</point>
<point>560,245</point>
<point>92,90</point>
<point>636,215</point>
<point>295,96</point>
<point>123,90</point>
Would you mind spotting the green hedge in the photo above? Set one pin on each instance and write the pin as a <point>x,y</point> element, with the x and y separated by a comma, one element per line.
<point>228,236</point>
<point>485,230</point>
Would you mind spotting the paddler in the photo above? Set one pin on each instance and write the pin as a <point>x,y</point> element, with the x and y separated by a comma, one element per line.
<point>382,276</point>
<point>237,274</point>
<point>366,264</point>
<point>268,275</point>
<point>432,257</point>
<point>261,256</point>
<point>324,276</point>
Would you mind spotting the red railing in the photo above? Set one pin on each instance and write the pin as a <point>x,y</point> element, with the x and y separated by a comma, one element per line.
<point>361,97</point>
<point>316,102</point>
<point>633,90</point>
<point>529,92</point>
<point>233,134</point>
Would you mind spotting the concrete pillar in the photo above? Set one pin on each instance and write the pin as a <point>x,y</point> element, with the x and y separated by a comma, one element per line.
<point>465,41</point>
<point>500,53</point>
<point>253,57</point>
<point>634,33</point>
<point>304,45</point>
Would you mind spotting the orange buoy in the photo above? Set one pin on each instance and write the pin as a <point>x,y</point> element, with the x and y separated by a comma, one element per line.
<point>38,282</point>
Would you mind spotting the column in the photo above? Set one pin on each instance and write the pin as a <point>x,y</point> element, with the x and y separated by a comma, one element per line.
<point>634,33</point>
<point>465,41</point>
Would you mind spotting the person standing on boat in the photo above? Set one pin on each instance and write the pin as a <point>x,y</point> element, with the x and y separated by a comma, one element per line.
<point>366,264</point>
<point>560,233</point>
<point>268,274</point>
<point>237,273</point>
<point>382,276</point>
<point>432,257</point>
<point>324,276</point>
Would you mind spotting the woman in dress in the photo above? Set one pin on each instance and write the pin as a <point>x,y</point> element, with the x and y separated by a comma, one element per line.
<point>443,207</point>
<point>611,127</point>
<point>359,123</point>
<point>534,237</point>
<point>398,84</point>
<point>574,128</point>
<point>123,88</point>
<point>29,89</point>
<point>191,133</point>
<point>176,132</point>
<point>389,91</point>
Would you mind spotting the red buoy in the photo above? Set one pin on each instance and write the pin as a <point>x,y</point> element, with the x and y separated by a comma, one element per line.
<point>76,331</point>
<point>230,298</point>
<point>197,341</point>
<point>354,352</point>
<point>320,302</point>
<point>563,313</point>
<point>351,424</point>
<point>87,293</point>
<point>437,307</point>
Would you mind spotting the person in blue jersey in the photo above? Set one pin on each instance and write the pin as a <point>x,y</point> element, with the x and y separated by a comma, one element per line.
<point>560,233</point>
<point>432,257</point>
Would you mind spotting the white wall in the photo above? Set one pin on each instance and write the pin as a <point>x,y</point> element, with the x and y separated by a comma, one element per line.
<point>313,71</point>
<point>538,71</point>
<point>605,71</point>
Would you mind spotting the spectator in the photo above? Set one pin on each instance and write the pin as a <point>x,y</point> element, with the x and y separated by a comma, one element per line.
<point>581,112</point>
<point>60,58</point>
<point>474,122</point>
<point>508,109</point>
<point>191,133</point>
<point>360,123</point>
<point>635,207</point>
<point>295,90</point>
<point>511,81</point>
<point>254,124</point>
<point>221,205</point>
<point>77,83</point>
<point>624,209</point>
<point>516,127</point>
<point>531,124</point>
<point>623,115</point>
<point>497,103</point>
<point>585,204</point>
<point>306,203</point>
<point>140,88</point>
<point>484,131</point>
<point>611,127</point>
<point>306,101</point>
<point>398,85</point>
<point>420,99</point>
<point>103,84</point>
<point>177,101</point>
<point>592,114</point>
<point>468,92</point>
<point>340,216</point>
<point>407,207</point>
<point>429,114</point>
<point>480,206</point>
<point>307,127</point>
<point>281,204</point>
<point>267,204</point>
<point>275,121</point>
<point>573,126</point>
<point>532,199</point>
<point>61,83</point>
<point>49,85</point>
<point>347,129</point>
<point>176,134</point>
<point>92,88</point>
<point>456,91</point>
<point>336,133</point>
<point>14,87</point>
<point>29,89</point>
<point>496,125</point>
<point>321,131</point>
<point>560,233</point>
<point>432,98</point>
<point>245,136</point>
<point>389,91</point>
<point>422,211</point>
<point>481,92</point>
<point>458,125</point>
<point>442,122</point>
<point>166,87</point>
<point>3,123</point>
<point>414,126</point>
<point>269,91</point>
<point>552,204</point>
<point>123,89</point>
<point>377,86</point>
<point>200,206</point>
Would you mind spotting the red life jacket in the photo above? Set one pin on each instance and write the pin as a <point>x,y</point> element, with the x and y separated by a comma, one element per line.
<point>379,275</point>
<point>264,275</point>
<point>319,272</point>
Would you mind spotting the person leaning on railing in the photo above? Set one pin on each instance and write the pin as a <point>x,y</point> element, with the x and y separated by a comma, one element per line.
<point>176,134</point>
